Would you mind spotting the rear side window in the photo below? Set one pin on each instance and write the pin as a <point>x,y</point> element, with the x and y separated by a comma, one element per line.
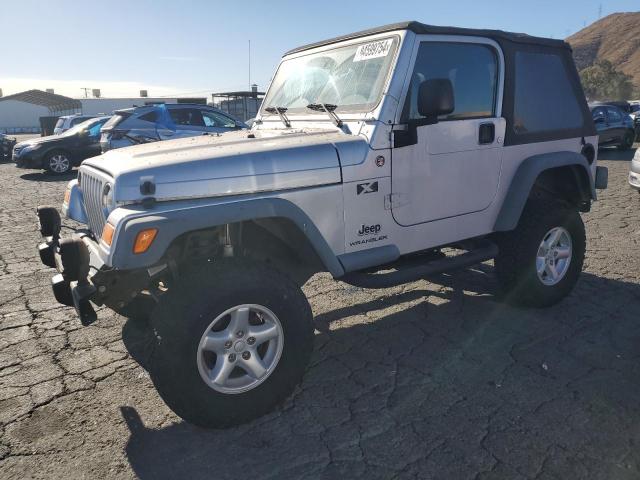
<point>544,97</point>
<point>187,117</point>
<point>149,117</point>
<point>615,115</point>
<point>60,123</point>
<point>77,120</point>
<point>472,69</point>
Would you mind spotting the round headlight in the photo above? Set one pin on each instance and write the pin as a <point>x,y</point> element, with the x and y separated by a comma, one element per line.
<point>107,196</point>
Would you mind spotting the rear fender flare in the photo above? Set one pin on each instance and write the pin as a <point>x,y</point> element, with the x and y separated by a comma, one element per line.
<point>525,178</point>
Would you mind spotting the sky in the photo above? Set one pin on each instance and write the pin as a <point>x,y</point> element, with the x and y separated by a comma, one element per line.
<point>193,48</point>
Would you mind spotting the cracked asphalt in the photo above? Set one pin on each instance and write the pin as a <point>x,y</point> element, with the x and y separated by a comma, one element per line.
<point>429,380</point>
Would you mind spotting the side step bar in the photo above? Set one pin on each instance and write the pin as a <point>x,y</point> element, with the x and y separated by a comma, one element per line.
<point>482,251</point>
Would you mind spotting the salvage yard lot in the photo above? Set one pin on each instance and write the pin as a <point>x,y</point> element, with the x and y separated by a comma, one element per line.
<point>430,380</point>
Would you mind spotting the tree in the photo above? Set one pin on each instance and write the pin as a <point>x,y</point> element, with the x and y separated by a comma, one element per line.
<point>602,81</point>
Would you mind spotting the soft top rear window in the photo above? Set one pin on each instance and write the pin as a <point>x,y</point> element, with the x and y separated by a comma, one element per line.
<point>544,97</point>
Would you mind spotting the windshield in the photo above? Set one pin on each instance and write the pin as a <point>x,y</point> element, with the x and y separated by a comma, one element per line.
<point>86,125</point>
<point>350,77</point>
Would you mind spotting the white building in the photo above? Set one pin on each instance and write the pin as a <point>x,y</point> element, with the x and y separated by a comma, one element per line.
<point>21,112</point>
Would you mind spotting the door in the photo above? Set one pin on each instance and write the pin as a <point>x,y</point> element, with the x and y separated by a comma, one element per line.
<point>599,115</point>
<point>216,122</point>
<point>452,167</point>
<point>616,123</point>
<point>188,122</point>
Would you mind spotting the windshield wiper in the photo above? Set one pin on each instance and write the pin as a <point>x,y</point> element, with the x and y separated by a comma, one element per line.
<point>329,108</point>
<point>282,113</point>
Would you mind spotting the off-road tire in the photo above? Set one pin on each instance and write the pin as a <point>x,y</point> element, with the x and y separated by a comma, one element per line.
<point>138,309</point>
<point>181,318</point>
<point>515,265</point>
<point>48,162</point>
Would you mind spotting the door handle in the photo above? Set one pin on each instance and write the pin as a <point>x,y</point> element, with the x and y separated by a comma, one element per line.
<point>486,133</point>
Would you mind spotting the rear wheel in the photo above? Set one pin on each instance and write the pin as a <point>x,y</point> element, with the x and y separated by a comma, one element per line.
<point>58,162</point>
<point>627,141</point>
<point>231,342</point>
<point>540,261</point>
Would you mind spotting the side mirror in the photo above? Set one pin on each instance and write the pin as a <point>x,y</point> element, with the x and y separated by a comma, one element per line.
<point>598,120</point>
<point>435,98</point>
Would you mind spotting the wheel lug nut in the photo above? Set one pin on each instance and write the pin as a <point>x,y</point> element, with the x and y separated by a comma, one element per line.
<point>227,344</point>
<point>251,340</point>
<point>240,334</point>
<point>232,357</point>
<point>246,355</point>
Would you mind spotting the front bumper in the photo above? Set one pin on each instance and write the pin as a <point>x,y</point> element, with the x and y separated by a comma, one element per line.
<point>30,159</point>
<point>634,173</point>
<point>83,279</point>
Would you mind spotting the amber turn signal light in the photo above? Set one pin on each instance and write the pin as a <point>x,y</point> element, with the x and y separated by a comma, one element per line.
<point>107,233</point>
<point>67,196</point>
<point>144,239</point>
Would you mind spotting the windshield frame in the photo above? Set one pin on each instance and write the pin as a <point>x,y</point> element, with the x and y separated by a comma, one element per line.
<point>397,36</point>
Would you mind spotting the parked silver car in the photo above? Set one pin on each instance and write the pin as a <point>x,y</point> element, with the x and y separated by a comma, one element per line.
<point>151,123</point>
<point>65,122</point>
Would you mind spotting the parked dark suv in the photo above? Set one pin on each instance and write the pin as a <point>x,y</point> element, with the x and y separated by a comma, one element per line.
<point>152,123</point>
<point>614,126</point>
<point>58,154</point>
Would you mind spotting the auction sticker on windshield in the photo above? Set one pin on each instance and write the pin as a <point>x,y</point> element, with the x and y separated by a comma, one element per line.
<point>373,50</point>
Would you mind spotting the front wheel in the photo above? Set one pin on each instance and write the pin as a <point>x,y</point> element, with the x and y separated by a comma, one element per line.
<point>231,342</point>
<point>57,162</point>
<point>540,261</point>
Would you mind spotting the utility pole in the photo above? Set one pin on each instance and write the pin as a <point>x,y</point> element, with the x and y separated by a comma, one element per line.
<point>600,12</point>
<point>86,90</point>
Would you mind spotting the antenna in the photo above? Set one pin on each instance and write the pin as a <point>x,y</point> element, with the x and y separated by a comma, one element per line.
<point>600,12</point>
<point>249,63</point>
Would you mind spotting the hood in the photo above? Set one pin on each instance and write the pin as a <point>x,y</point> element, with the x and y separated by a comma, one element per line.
<point>233,163</point>
<point>40,140</point>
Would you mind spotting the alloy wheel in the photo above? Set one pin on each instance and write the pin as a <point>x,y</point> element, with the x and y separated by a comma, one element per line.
<point>554,256</point>
<point>58,163</point>
<point>240,348</point>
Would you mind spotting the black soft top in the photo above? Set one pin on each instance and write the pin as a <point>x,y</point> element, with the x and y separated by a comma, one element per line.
<point>422,28</point>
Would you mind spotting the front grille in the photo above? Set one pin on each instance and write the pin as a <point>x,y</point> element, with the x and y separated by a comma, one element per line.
<point>92,184</point>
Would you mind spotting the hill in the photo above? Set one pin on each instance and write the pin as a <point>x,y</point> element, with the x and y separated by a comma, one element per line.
<point>615,38</point>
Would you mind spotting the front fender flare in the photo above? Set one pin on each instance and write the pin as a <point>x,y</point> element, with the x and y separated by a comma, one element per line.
<point>525,178</point>
<point>172,220</point>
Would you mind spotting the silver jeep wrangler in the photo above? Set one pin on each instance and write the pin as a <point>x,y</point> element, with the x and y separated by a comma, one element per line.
<point>382,157</point>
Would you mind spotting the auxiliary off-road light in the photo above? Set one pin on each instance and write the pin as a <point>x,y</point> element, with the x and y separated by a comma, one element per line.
<point>144,239</point>
<point>49,220</point>
<point>107,233</point>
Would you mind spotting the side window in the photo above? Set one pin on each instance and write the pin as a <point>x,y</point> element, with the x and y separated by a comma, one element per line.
<point>544,96</point>
<point>598,114</point>
<point>151,116</point>
<point>472,69</point>
<point>614,115</point>
<point>214,119</point>
<point>77,120</point>
<point>94,131</point>
<point>186,117</point>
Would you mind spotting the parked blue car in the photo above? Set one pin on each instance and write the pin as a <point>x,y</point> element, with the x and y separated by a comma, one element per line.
<point>152,123</point>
